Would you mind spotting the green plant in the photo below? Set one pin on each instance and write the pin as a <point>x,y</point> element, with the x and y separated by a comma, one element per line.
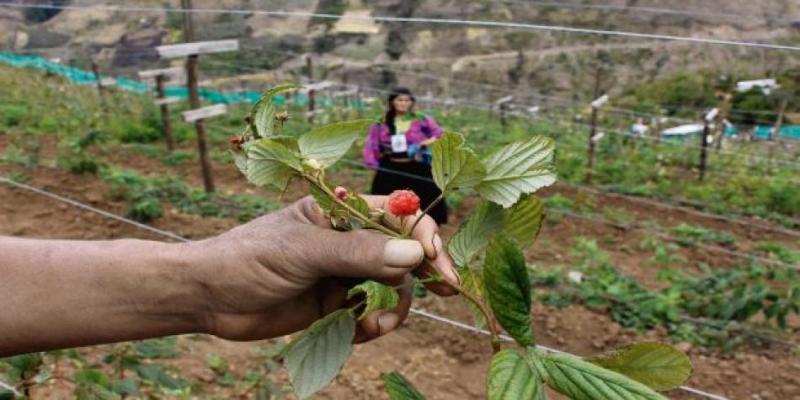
<point>718,299</point>
<point>486,250</point>
<point>689,234</point>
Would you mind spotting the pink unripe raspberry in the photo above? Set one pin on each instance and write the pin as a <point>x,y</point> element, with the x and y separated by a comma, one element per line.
<point>341,192</point>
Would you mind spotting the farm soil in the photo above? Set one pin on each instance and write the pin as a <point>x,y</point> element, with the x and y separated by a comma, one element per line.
<point>443,361</point>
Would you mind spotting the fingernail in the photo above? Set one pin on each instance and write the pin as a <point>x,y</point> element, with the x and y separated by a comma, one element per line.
<point>402,253</point>
<point>437,244</point>
<point>386,322</point>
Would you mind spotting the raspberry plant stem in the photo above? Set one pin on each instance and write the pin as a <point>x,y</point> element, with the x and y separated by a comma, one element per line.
<point>423,214</point>
<point>365,219</point>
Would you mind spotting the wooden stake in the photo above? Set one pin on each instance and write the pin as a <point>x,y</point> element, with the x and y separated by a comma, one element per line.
<point>312,92</point>
<point>194,99</point>
<point>703,149</point>
<point>99,80</point>
<point>166,124</point>
<point>593,131</point>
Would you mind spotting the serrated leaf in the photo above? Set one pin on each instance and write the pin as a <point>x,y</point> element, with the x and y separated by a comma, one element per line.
<point>378,296</point>
<point>582,380</point>
<point>241,163</point>
<point>92,391</point>
<point>262,115</point>
<point>508,289</point>
<point>512,378</point>
<point>323,200</point>
<point>127,387</point>
<point>399,388</point>
<point>523,220</point>
<point>315,357</point>
<point>6,394</point>
<point>516,169</point>
<point>453,165</point>
<point>472,282</point>
<point>474,234</point>
<point>272,162</point>
<point>328,143</point>
<point>91,376</point>
<point>657,365</point>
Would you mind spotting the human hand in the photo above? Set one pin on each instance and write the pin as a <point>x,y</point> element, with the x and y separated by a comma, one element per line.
<point>280,273</point>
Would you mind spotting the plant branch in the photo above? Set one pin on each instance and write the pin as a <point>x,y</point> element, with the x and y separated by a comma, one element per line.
<point>364,218</point>
<point>424,213</point>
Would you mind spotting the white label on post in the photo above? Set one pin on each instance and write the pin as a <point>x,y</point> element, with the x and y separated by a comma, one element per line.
<point>600,101</point>
<point>203,113</point>
<point>167,100</point>
<point>195,48</point>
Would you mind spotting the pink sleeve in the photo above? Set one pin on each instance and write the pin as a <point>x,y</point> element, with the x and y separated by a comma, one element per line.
<point>372,147</point>
<point>433,127</point>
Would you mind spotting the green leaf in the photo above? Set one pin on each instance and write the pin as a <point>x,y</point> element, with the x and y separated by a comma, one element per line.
<point>474,234</point>
<point>657,365</point>
<point>316,356</point>
<point>92,376</point>
<point>241,163</point>
<point>127,386</point>
<point>262,115</point>
<point>272,162</point>
<point>516,169</point>
<point>323,200</point>
<point>342,218</point>
<point>328,143</point>
<point>90,391</point>
<point>453,165</point>
<point>378,296</point>
<point>523,220</point>
<point>399,388</point>
<point>582,380</point>
<point>156,374</point>
<point>512,378</point>
<point>472,282</point>
<point>508,289</point>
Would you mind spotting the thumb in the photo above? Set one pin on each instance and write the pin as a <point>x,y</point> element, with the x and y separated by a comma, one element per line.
<point>368,254</point>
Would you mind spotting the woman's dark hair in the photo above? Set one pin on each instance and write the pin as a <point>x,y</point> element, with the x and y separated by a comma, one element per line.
<point>388,118</point>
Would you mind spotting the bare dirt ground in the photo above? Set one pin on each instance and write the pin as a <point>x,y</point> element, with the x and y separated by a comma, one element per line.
<point>443,361</point>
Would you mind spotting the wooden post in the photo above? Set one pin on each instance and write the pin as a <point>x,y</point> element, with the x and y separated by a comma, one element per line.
<point>590,151</point>
<point>704,141</point>
<point>593,130</point>
<point>194,98</point>
<point>165,121</point>
<point>775,133</point>
<point>99,80</point>
<point>359,106</point>
<point>312,92</point>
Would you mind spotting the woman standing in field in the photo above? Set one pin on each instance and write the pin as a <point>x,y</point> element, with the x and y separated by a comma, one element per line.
<point>398,147</point>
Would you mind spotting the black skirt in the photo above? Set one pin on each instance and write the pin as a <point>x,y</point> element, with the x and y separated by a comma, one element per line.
<point>412,176</point>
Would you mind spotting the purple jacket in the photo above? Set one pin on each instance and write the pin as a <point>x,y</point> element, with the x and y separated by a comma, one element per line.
<point>379,142</point>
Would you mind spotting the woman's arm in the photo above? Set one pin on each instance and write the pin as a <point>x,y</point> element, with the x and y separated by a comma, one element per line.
<point>435,131</point>
<point>372,147</point>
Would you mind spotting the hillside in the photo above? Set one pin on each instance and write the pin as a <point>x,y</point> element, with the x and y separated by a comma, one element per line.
<point>524,61</point>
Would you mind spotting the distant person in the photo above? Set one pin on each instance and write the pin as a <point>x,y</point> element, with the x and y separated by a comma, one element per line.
<point>398,147</point>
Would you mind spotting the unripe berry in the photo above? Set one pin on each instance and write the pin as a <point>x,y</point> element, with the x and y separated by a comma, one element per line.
<point>341,192</point>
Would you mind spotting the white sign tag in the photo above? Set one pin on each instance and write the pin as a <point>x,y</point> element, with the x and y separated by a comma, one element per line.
<point>399,143</point>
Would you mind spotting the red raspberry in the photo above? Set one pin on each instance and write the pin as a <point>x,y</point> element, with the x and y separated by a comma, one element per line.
<point>341,192</point>
<point>403,202</point>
